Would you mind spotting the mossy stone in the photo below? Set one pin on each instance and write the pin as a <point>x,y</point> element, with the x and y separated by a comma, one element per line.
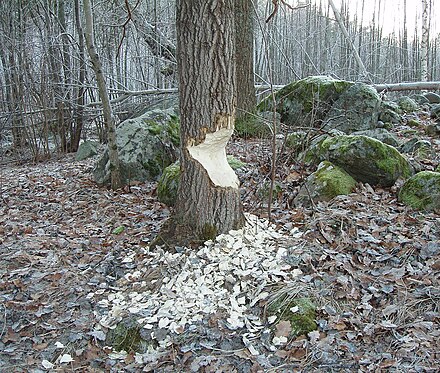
<point>305,101</point>
<point>422,191</point>
<point>300,312</point>
<point>366,159</point>
<point>327,182</point>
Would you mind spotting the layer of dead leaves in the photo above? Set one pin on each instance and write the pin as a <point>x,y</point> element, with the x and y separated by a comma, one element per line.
<point>69,250</point>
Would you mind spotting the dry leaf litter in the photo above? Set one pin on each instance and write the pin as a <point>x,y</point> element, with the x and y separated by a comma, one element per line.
<point>75,261</point>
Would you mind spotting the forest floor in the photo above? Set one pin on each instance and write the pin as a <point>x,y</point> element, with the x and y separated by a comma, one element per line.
<point>74,261</point>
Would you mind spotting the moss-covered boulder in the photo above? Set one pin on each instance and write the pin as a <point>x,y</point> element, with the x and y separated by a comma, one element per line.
<point>327,182</point>
<point>422,191</point>
<point>168,183</point>
<point>324,102</point>
<point>408,105</point>
<point>146,145</point>
<point>300,312</point>
<point>366,159</point>
<point>86,150</point>
<point>307,101</point>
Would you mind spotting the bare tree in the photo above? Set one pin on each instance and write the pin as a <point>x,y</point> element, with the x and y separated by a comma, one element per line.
<point>106,107</point>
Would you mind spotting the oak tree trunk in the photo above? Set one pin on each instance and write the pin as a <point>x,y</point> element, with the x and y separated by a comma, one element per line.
<point>208,201</point>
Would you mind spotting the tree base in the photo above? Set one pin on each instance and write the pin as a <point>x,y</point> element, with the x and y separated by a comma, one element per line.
<point>174,234</point>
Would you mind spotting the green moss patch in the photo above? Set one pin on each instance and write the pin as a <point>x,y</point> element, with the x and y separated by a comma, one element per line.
<point>126,337</point>
<point>300,312</point>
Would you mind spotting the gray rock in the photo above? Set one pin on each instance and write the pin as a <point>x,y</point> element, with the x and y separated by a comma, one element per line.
<point>380,134</point>
<point>432,97</point>
<point>146,145</point>
<point>306,102</point>
<point>86,150</point>
<point>435,111</point>
<point>356,109</point>
<point>390,112</point>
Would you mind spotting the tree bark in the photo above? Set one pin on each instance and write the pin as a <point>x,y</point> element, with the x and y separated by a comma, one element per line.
<point>244,58</point>
<point>106,107</point>
<point>208,201</point>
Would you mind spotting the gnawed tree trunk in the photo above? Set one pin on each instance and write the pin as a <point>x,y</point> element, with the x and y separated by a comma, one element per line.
<point>106,108</point>
<point>208,201</point>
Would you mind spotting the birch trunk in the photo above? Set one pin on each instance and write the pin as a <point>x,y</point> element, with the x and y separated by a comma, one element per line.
<point>425,41</point>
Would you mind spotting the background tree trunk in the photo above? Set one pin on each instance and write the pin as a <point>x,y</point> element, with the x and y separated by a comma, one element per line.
<point>425,41</point>
<point>106,108</point>
<point>208,201</point>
